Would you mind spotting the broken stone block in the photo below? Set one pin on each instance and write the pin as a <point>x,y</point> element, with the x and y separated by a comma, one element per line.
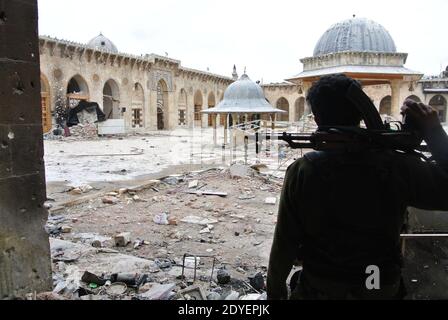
<point>199,220</point>
<point>161,219</point>
<point>122,191</point>
<point>205,231</point>
<point>193,293</point>
<point>66,229</point>
<point>76,191</point>
<point>158,292</point>
<point>110,200</point>
<point>172,221</point>
<point>97,244</point>
<point>123,239</point>
<point>193,184</point>
<point>239,171</point>
<point>271,201</point>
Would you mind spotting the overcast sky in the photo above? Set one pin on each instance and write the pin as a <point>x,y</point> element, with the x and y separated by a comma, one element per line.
<point>269,37</point>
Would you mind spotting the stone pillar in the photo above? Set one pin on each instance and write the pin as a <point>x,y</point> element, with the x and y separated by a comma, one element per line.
<point>171,112</point>
<point>214,116</point>
<point>396,98</point>
<point>292,111</point>
<point>152,110</point>
<point>306,88</point>
<point>25,263</point>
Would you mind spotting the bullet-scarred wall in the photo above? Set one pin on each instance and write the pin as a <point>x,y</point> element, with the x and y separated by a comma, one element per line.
<point>25,263</point>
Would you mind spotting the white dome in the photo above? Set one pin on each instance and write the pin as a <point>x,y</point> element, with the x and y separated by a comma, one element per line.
<point>244,96</point>
<point>102,43</point>
<point>355,35</point>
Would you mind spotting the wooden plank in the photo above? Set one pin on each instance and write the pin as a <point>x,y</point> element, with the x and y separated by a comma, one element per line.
<point>208,193</point>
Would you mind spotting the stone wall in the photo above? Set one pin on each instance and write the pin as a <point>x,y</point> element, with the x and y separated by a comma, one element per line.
<point>25,264</point>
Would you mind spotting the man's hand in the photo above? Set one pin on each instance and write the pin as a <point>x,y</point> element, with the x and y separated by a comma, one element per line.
<point>424,117</point>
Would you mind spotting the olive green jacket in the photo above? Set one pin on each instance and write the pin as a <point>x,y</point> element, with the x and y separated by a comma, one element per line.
<point>342,212</point>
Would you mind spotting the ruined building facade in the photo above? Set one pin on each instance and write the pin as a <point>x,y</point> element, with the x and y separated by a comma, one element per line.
<point>152,92</point>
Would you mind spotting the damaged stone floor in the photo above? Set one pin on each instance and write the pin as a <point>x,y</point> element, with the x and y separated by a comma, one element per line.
<point>165,220</point>
<point>161,196</point>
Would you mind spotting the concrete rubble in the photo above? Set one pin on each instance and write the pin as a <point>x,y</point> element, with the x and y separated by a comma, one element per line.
<point>122,248</point>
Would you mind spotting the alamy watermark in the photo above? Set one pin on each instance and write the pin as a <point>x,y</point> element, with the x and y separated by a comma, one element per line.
<point>373,280</point>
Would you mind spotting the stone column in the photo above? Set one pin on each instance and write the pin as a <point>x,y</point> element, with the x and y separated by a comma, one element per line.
<point>306,88</point>
<point>171,112</point>
<point>25,263</point>
<point>396,98</point>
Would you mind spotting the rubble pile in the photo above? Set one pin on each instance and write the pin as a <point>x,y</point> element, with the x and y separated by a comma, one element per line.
<point>84,131</point>
<point>197,236</point>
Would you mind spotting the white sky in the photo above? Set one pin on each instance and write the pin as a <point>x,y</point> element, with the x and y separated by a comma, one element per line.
<point>267,36</point>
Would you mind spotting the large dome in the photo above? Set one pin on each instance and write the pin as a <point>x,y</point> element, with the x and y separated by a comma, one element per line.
<point>102,43</point>
<point>355,35</point>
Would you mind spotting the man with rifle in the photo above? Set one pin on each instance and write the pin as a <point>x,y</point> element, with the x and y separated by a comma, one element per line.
<point>342,209</point>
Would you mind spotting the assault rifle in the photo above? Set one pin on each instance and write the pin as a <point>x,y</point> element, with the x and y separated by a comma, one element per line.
<point>377,135</point>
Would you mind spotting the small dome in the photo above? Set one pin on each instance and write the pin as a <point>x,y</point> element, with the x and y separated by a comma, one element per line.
<point>244,96</point>
<point>102,43</point>
<point>355,35</point>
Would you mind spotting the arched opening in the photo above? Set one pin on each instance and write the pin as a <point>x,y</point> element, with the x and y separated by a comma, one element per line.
<point>111,100</point>
<point>386,106</point>
<point>138,103</point>
<point>211,104</point>
<point>198,102</point>
<point>439,103</point>
<point>46,104</point>
<point>300,108</point>
<point>182,106</point>
<point>162,100</point>
<point>77,90</point>
<point>283,104</point>
<point>414,98</point>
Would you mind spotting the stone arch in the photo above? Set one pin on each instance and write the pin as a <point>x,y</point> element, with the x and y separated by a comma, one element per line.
<point>439,103</point>
<point>198,103</point>
<point>138,105</point>
<point>283,104</point>
<point>162,104</point>
<point>182,107</point>
<point>211,104</point>
<point>386,106</point>
<point>300,108</point>
<point>111,100</point>
<point>414,98</point>
<point>45,94</point>
<point>78,85</point>
<point>77,89</point>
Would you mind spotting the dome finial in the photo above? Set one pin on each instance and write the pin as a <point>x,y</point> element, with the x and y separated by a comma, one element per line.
<point>235,73</point>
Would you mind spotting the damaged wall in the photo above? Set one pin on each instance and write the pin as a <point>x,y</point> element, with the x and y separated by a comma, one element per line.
<point>24,247</point>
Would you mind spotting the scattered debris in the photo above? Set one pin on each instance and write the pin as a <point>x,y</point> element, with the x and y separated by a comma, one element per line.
<point>193,293</point>
<point>161,219</point>
<point>271,201</point>
<point>233,296</point>
<point>223,276</point>
<point>158,292</point>
<point>66,229</point>
<point>209,193</point>
<point>257,282</point>
<point>110,200</point>
<point>199,220</point>
<point>239,171</point>
<point>122,239</point>
<point>193,184</point>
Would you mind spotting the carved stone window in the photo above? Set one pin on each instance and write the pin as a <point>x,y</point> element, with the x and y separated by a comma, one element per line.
<point>137,118</point>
